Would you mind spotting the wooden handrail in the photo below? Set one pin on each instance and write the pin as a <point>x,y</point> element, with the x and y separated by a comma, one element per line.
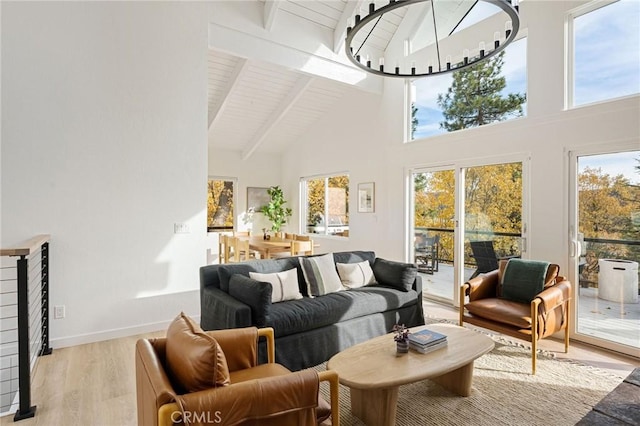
<point>26,247</point>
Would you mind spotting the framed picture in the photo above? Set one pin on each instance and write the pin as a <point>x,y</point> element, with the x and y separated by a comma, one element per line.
<point>257,198</point>
<point>366,197</point>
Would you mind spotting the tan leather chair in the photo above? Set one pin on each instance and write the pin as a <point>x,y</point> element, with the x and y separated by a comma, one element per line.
<point>266,394</point>
<point>547,313</point>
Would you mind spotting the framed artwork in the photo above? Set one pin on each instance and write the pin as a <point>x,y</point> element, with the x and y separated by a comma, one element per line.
<point>366,197</point>
<point>257,198</point>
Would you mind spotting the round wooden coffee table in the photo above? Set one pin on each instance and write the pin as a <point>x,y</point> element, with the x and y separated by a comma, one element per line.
<point>374,372</point>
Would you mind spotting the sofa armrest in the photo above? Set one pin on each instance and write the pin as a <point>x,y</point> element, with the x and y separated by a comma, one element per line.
<point>219,310</point>
<point>417,286</point>
<point>482,286</point>
<point>556,295</point>
<point>294,394</point>
<point>255,294</point>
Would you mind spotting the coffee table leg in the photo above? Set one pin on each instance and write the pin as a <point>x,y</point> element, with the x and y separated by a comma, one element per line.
<point>375,406</point>
<point>458,381</point>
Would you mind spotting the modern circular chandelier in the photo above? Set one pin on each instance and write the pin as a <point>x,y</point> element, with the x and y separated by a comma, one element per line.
<point>422,36</point>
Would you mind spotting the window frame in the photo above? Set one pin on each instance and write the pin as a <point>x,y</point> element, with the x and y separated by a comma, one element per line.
<point>304,204</point>
<point>234,181</point>
<point>410,96</point>
<point>570,48</point>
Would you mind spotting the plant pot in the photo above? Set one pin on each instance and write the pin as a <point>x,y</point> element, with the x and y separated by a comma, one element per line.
<point>402,346</point>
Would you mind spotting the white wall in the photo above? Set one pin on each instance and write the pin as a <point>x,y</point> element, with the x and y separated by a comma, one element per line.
<point>104,146</point>
<point>368,144</point>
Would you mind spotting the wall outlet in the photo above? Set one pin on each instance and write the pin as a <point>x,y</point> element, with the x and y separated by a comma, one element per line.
<point>59,312</point>
<point>181,228</point>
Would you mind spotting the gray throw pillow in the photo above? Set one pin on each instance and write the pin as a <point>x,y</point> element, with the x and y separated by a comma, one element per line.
<point>253,293</point>
<point>395,274</point>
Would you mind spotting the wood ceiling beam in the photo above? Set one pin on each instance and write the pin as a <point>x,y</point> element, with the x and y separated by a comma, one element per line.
<point>238,72</point>
<point>340,32</point>
<point>296,92</point>
<point>270,9</point>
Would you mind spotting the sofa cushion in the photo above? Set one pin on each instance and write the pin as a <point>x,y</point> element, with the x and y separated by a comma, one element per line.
<point>297,316</point>
<point>194,359</point>
<point>354,275</point>
<point>523,279</point>
<point>284,284</point>
<point>320,275</point>
<point>253,293</point>
<point>265,266</point>
<point>395,274</point>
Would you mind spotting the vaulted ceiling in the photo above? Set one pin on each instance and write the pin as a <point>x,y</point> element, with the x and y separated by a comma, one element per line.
<point>258,105</point>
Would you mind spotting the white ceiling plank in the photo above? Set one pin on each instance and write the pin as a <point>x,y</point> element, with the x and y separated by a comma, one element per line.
<point>250,46</point>
<point>340,33</point>
<point>296,92</point>
<point>270,9</point>
<point>239,70</point>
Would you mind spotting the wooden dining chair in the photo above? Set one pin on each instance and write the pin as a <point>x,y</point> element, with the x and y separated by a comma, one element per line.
<point>224,250</point>
<point>299,237</point>
<point>241,233</point>
<point>301,248</point>
<point>241,250</point>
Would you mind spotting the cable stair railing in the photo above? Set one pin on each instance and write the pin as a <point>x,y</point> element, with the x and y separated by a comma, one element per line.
<point>24,315</point>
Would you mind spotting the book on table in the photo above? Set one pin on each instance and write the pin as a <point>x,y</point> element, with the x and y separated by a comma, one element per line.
<point>426,349</point>
<point>426,338</point>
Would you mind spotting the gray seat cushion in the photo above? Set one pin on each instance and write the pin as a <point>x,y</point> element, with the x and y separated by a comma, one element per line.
<point>295,316</point>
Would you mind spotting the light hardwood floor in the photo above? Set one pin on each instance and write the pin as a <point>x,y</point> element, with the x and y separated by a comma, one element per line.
<point>94,384</point>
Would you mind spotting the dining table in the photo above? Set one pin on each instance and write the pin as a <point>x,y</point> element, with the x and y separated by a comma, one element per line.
<point>268,247</point>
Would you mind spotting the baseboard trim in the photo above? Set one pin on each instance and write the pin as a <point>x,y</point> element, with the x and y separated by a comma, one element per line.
<point>81,339</point>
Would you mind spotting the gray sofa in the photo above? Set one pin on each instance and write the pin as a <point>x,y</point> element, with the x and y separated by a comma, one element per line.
<point>310,330</point>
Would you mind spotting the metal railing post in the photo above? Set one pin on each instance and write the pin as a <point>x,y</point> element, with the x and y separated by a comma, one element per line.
<point>44,294</point>
<point>25,410</point>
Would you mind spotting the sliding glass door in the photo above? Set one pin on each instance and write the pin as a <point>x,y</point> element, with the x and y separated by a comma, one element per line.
<point>447,250</point>
<point>605,228</point>
<point>432,233</point>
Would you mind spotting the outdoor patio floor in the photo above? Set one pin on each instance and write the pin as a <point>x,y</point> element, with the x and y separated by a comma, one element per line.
<point>599,318</point>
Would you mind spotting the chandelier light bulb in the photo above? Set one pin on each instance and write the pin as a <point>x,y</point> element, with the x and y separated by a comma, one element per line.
<point>496,40</point>
<point>481,47</point>
<point>508,27</point>
<point>465,56</point>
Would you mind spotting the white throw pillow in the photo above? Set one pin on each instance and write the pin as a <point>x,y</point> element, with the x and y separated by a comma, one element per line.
<point>320,275</point>
<point>285,284</point>
<point>354,275</point>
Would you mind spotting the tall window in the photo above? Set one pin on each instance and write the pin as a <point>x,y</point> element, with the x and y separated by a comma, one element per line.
<point>492,91</point>
<point>220,205</point>
<point>326,204</point>
<point>606,51</point>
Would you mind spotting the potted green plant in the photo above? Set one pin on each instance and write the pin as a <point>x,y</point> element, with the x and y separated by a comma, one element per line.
<point>275,211</point>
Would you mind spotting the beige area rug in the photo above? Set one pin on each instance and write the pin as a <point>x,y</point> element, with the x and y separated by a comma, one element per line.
<point>504,393</point>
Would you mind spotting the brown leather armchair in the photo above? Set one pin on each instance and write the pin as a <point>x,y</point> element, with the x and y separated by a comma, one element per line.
<point>547,313</point>
<point>266,394</point>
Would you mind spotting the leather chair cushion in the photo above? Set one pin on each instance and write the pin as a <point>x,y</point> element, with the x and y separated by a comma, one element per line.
<point>194,359</point>
<point>502,311</point>
<point>323,411</point>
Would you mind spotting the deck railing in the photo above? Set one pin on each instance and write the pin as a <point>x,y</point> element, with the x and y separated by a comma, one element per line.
<point>24,310</point>
<point>502,239</point>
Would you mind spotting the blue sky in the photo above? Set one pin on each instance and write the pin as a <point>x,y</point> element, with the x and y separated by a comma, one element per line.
<point>622,163</point>
<point>602,72</point>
